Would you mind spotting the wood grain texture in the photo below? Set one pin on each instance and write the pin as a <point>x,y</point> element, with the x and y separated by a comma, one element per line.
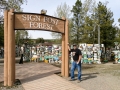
<point>5,48</point>
<point>22,22</point>
<point>63,56</point>
<point>66,50</point>
<point>10,49</point>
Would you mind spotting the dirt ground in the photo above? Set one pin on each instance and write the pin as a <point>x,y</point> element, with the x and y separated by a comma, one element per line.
<point>100,77</point>
<point>102,69</point>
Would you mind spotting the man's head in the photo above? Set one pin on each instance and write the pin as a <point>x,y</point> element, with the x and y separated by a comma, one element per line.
<point>74,46</point>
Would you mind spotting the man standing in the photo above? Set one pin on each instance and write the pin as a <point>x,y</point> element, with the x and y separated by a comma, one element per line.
<point>22,52</point>
<point>77,56</point>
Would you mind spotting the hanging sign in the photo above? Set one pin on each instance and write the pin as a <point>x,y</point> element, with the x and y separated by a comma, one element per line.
<point>28,21</point>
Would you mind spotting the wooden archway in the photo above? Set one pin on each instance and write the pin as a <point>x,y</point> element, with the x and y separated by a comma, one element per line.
<point>30,21</point>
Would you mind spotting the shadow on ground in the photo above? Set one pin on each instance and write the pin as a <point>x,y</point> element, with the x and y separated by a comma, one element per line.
<point>87,76</point>
<point>86,66</point>
<point>35,77</point>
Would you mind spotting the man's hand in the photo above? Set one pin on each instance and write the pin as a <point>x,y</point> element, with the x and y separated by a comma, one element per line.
<point>68,47</point>
<point>80,57</point>
<point>78,62</point>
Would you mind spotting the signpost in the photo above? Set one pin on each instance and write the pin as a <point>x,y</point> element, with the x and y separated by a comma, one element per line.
<point>31,21</point>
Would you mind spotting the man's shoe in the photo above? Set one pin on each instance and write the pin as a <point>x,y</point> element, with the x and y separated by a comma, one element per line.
<point>78,81</point>
<point>72,80</point>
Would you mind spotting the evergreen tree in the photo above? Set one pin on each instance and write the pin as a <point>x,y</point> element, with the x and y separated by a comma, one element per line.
<point>117,36</point>
<point>77,27</point>
<point>105,19</point>
<point>88,30</point>
<point>88,7</point>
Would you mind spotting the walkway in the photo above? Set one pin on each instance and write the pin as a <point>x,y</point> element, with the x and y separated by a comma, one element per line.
<point>40,76</point>
<point>52,82</point>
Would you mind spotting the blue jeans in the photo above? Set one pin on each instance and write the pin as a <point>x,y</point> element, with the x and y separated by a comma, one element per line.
<point>74,65</point>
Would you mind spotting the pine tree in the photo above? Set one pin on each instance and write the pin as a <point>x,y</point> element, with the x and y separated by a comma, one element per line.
<point>77,27</point>
<point>117,37</point>
<point>105,19</point>
<point>88,7</point>
<point>88,30</point>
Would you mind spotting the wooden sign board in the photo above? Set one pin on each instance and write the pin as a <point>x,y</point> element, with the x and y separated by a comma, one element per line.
<point>31,21</point>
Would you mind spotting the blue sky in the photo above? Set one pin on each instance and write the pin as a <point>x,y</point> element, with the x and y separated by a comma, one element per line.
<point>35,6</point>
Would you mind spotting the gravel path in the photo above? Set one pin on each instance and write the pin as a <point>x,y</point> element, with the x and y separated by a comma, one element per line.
<point>15,88</point>
<point>100,77</point>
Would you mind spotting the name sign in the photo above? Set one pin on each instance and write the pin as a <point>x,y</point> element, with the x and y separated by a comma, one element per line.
<point>28,21</point>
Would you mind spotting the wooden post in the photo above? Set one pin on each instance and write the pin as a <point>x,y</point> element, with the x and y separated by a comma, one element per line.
<point>63,53</point>
<point>14,54</point>
<point>66,50</point>
<point>63,56</point>
<point>13,38</point>
<point>5,47</point>
<point>10,49</point>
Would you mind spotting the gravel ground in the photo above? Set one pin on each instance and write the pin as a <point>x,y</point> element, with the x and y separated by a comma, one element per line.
<point>100,77</point>
<point>16,86</point>
<point>13,88</point>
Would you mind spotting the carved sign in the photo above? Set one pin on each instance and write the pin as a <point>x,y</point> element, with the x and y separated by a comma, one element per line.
<point>28,21</point>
